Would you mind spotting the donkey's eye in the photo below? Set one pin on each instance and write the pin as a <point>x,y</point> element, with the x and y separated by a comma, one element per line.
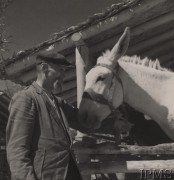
<point>100,78</point>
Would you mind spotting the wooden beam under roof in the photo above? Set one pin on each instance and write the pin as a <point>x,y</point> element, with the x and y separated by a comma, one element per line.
<point>140,13</point>
<point>150,43</point>
<point>27,76</point>
<point>68,94</point>
<point>170,64</point>
<point>159,50</point>
<point>69,85</point>
<point>20,66</point>
<point>72,100</point>
<point>152,27</point>
<point>165,58</point>
<point>142,32</point>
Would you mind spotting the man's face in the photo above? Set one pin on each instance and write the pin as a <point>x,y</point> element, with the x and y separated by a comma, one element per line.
<point>55,76</point>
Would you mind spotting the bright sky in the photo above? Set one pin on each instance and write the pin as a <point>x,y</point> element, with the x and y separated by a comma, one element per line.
<point>31,22</point>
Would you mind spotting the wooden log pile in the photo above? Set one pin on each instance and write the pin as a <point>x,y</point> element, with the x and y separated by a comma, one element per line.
<point>110,157</point>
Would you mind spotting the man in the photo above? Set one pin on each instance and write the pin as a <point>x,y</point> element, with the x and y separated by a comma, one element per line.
<point>38,137</point>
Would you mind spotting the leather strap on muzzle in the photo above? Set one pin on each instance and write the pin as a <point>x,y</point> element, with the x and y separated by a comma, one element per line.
<point>90,94</point>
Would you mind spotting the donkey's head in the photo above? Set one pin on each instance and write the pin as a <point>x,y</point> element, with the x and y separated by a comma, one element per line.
<point>102,84</point>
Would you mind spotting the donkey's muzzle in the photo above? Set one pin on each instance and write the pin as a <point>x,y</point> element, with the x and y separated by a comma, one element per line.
<point>87,113</point>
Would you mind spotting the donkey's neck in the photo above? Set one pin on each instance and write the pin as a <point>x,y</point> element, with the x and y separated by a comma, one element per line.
<point>148,90</point>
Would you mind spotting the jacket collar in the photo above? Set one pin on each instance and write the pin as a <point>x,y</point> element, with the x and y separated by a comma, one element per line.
<point>38,89</point>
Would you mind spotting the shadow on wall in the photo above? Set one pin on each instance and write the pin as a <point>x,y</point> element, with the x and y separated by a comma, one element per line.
<point>130,127</point>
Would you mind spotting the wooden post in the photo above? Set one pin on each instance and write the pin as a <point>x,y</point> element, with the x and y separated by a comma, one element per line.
<point>82,67</point>
<point>82,60</point>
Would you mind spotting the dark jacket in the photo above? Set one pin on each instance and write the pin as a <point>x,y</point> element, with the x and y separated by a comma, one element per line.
<point>38,138</point>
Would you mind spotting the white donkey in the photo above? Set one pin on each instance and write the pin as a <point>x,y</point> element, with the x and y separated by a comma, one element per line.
<point>143,84</point>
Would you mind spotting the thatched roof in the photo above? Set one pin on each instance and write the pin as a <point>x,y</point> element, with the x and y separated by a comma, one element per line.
<point>59,36</point>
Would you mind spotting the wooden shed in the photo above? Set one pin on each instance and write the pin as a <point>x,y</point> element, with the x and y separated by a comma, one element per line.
<point>152,35</point>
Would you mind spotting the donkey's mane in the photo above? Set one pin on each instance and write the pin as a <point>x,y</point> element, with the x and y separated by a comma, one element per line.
<point>155,64</point>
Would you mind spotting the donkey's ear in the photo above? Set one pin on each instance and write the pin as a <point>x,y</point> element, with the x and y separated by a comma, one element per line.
<point>121,46</point>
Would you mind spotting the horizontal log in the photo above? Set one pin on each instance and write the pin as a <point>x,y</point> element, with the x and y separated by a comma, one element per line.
<point>68,94</point>
<point>125,157</point>
<point>31,75</point>
<point>69,85</point>
<point>151,42</point>
<point>166,58</point>
<point>135,21</point>
<point>141,32</point>
<point>24,65</point>
<point>155,27</point>
<point>125,166</point>
<point>20,66</point>
<point>149,9</point>
<point>148,34</point>
<point>152,27</point>
<point>111,148</point>
<point>170,64</point>
<point>161,49</point>
<point>72,100</point>
<point>27,76</point>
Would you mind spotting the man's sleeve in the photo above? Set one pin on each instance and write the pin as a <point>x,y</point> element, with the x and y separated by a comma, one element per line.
<point>71,113</point>
<point>18,136</point>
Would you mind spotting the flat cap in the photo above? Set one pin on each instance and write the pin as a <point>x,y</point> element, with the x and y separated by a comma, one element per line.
<point>52,57</point>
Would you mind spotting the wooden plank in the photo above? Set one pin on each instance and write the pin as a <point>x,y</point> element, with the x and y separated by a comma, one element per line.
<point>82,59</point>
<point>147,45</point>
<point>124,157</point>
<point>151,43</point>
<point>68,94</point>
<point>69,85</point>
<point>72,100</point>
<point>132,50</point>
<point>70,75</point>
<point>27,76</point>
<point>152,27</point>
<point>138,17</point>
<point>139,33</point>
<point>161,49</point>
<point>31,75</point>
<point>117,23</point>
<point>125,166</point>
<point>20,66</point>
<point>170,64</point>
<point>166,58</point>
<point>111,148</point>
<point>25,65</point>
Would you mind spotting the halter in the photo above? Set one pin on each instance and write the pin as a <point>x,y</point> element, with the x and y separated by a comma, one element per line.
<point>90,94</point>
